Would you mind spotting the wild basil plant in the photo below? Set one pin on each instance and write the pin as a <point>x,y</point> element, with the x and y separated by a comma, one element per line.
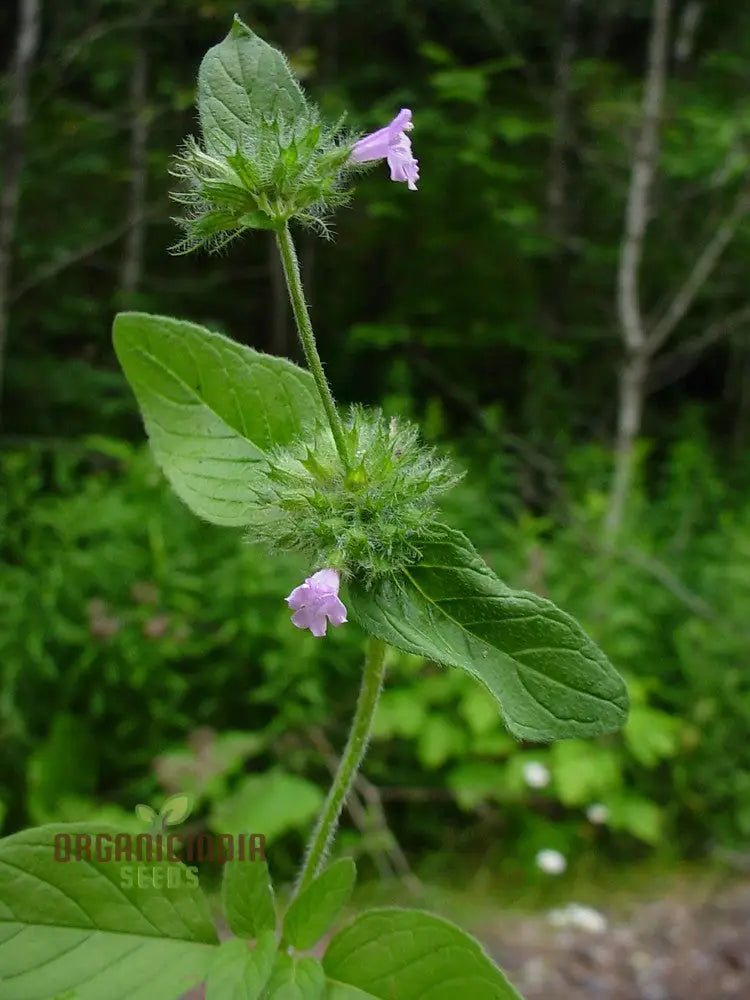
<point>254,442</point>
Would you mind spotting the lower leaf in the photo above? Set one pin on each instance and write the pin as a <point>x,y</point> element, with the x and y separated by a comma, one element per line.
<point>88,927</point>
<point>239,973</point>
<point>550,679</point>
<point>395,954</point>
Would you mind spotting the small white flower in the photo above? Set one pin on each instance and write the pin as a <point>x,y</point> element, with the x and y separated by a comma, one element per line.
<point>535,774</point>
<point>584,918</point>
<point>551,862</point>
<point>597,813</point>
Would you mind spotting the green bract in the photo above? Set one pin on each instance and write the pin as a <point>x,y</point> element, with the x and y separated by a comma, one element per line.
<point>265,157</point>
<point>368,522</point>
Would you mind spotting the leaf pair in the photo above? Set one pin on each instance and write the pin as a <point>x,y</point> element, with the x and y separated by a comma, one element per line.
<point>383,954</point>
<point>250,910</point>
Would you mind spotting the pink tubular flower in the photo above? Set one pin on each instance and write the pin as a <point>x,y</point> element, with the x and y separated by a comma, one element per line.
<point>392,143</point>
<point>316,600</point>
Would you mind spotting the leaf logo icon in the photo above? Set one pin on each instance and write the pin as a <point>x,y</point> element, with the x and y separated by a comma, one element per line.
<point>174,810</point>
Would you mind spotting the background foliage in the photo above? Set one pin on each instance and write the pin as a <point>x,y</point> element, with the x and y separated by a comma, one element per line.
<point>142,651</point>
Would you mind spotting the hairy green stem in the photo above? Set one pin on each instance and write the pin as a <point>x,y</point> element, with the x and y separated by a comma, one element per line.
<point>307,337</point>
<point>359,734</point>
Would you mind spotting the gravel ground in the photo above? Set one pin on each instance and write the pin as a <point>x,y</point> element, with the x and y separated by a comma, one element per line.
<point>696,949</point>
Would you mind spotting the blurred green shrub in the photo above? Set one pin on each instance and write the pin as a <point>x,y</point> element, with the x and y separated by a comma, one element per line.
<point>126,624</point>
<point>128,629</point>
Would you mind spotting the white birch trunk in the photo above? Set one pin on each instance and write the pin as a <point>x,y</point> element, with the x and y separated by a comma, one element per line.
<point>27,42</point>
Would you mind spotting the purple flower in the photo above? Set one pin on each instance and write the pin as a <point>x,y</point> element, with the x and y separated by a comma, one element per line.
<point>394,144</point>
<point>317,599</point>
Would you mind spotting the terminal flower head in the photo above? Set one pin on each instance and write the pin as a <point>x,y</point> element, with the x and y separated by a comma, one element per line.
<point>316,602</point>
<point>392,144</point>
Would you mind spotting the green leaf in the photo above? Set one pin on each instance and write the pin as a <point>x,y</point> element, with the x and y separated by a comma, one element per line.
<point>212,409</point>
<point>342,991</point>
<point>398,714</point>
<point>651,735</point>
<point>584,772</point>
<point>176,809</point>
<point>439,740</point>
<point>240,79</point>
<point>317,906</point>
<point>477,781</point>
<point>247,894</point>
<point>549,679</point>
<point>411,955</point>
<point>296,979</point>
<point>239,973</point>
<point>86,926</point>
<point>637,816</point>
<point>269,803</point>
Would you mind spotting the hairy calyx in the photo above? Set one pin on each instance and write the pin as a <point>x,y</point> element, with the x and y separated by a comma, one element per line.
<point>366,522</point>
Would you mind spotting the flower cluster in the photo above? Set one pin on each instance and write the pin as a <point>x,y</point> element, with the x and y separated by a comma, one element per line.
<point>280,170</point>
<point>366,521</point>
<point>265,156</point>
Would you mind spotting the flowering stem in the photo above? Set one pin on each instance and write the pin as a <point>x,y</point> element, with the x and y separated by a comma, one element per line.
<point>307,337</point>
<point>359,734</point>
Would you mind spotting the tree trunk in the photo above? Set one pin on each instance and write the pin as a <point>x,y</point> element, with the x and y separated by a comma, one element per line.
<point>632,392</point>
<point>562,127</point>
<point>642,344</point>
<point>131,274</point>
<point>634,370</point>
<point>684,44</point>
<point>27,41</point>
